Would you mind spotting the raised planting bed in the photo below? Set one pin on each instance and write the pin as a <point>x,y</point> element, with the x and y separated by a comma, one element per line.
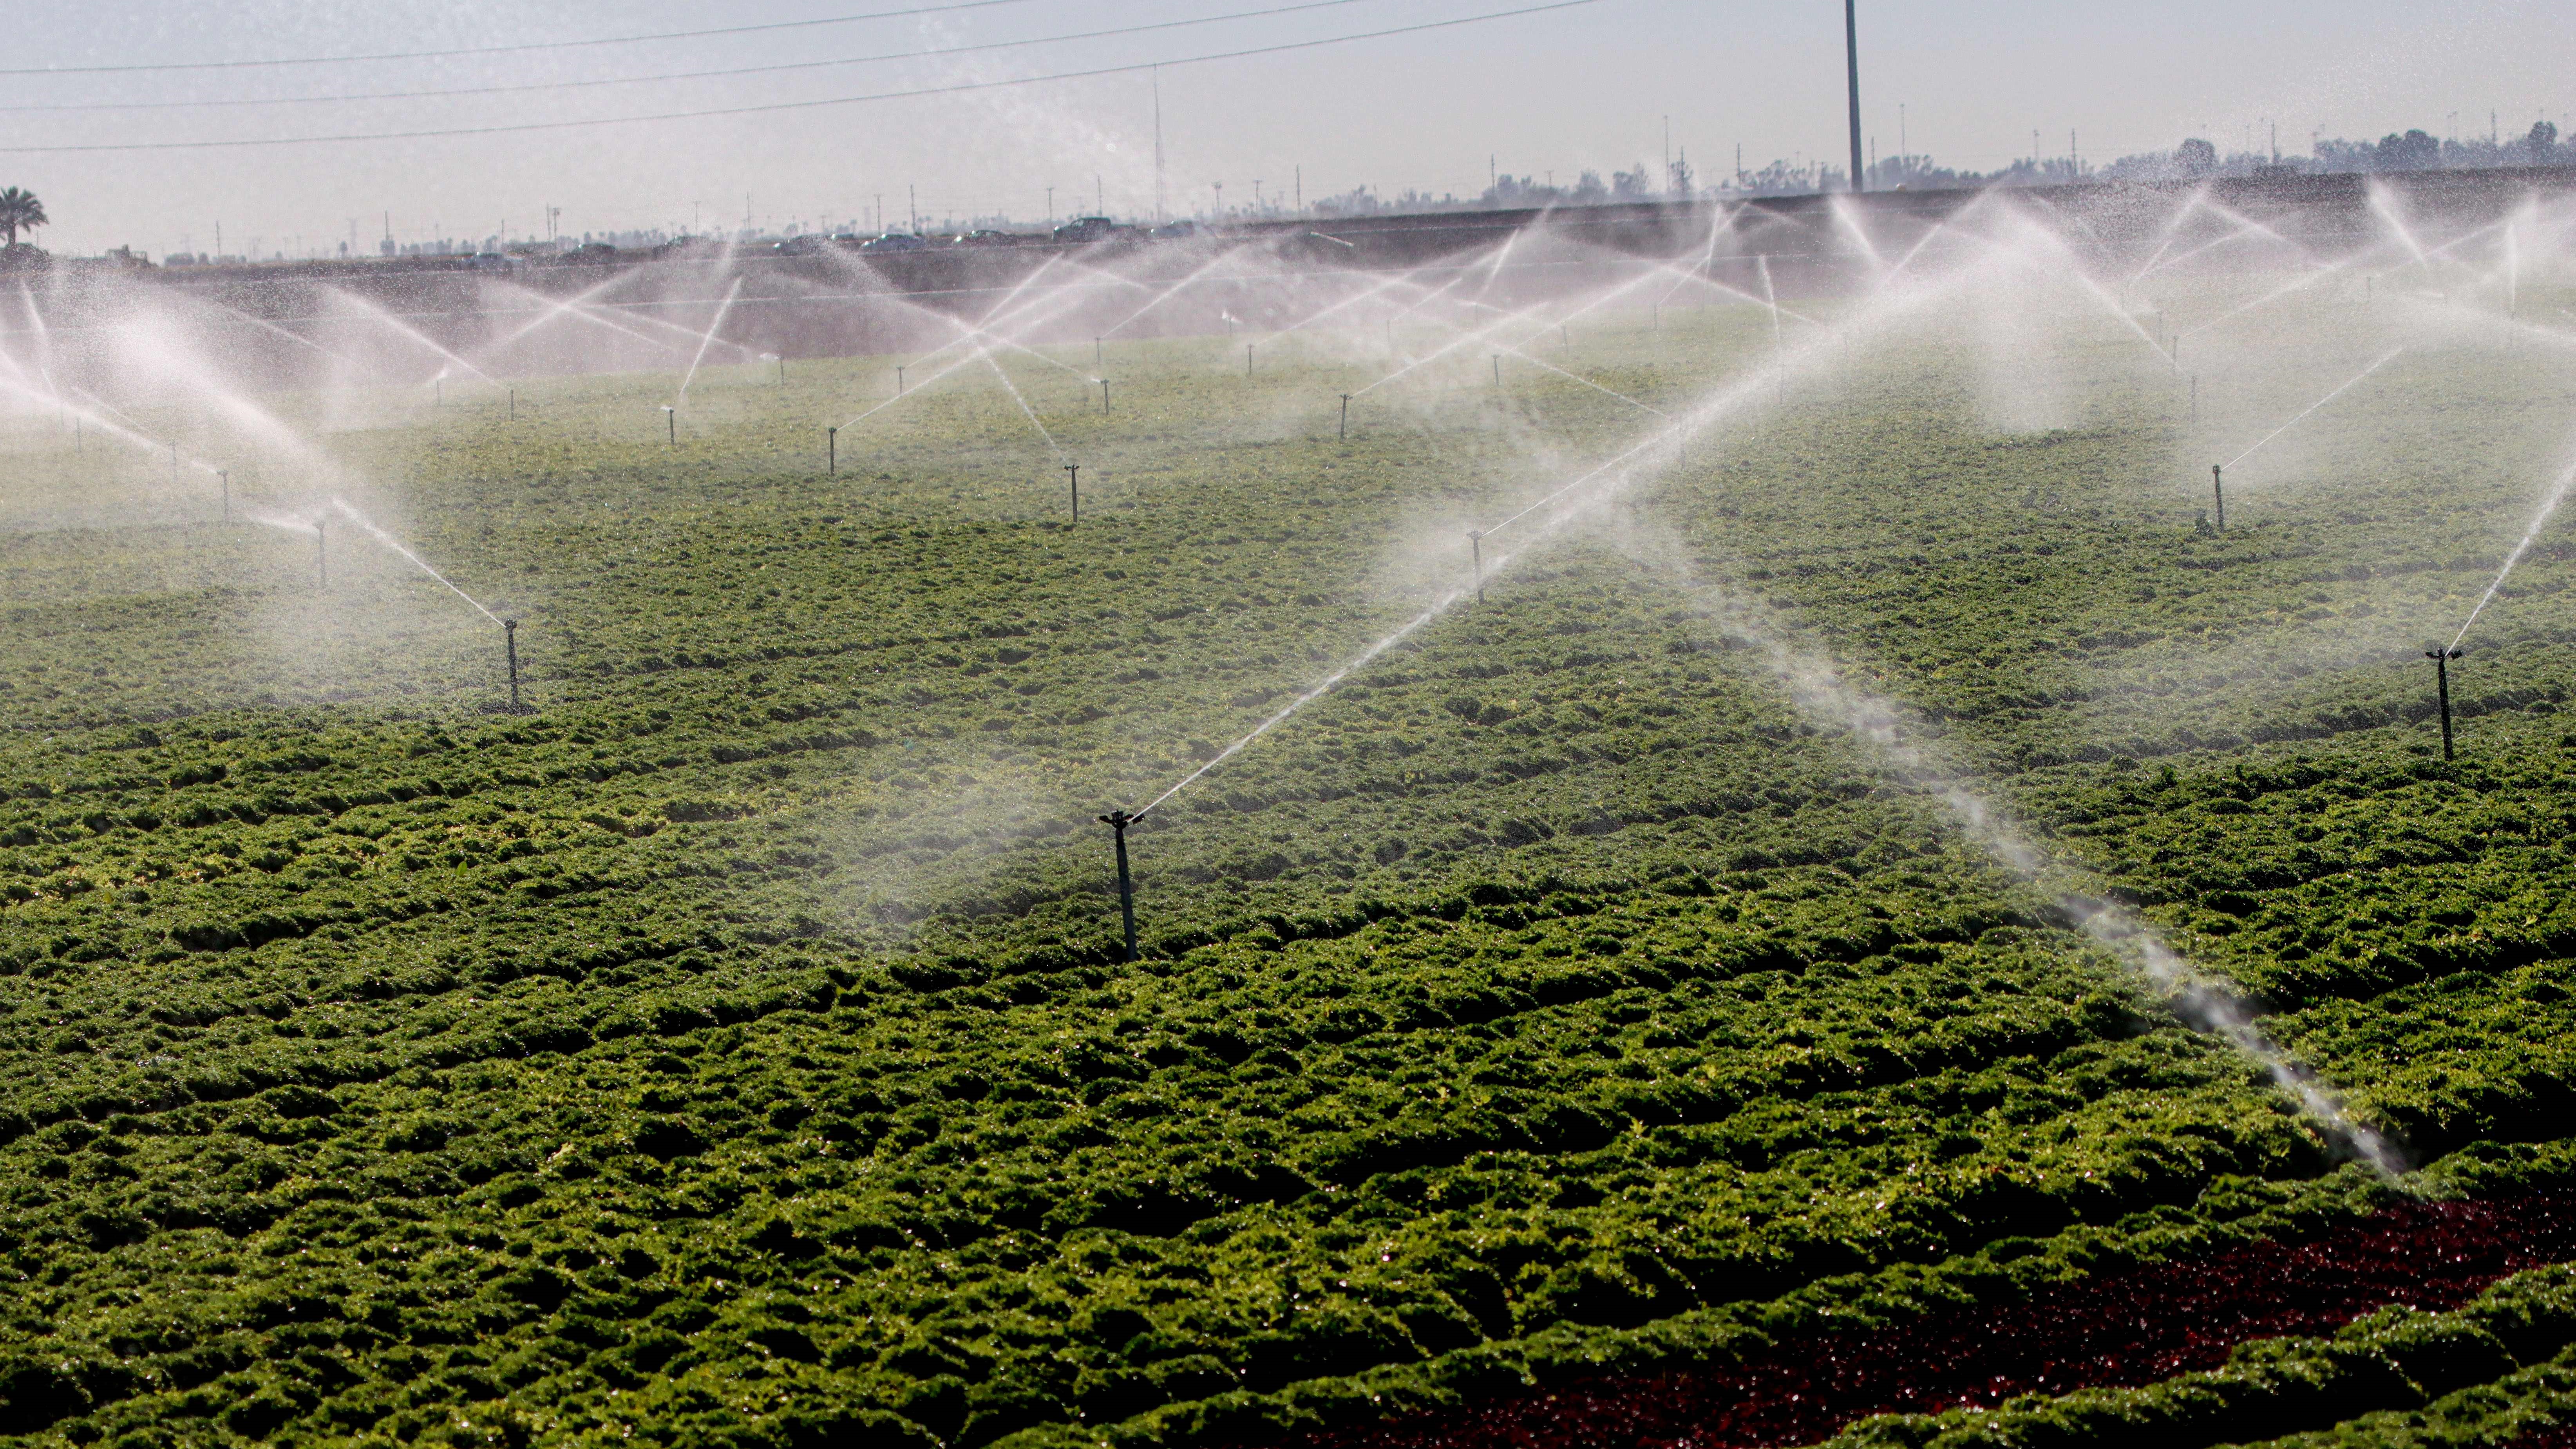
<point>2119,1330</point>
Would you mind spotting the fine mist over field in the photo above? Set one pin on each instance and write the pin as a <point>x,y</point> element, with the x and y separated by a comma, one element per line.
<point>1691,777</point>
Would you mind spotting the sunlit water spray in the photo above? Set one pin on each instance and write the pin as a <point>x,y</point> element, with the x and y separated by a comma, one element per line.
<point>1552,511</point>
<point>2203,1004</point>
<point>706,341</point>
<point>1820,691</point>
<point>2549,502</point>
<point>378,315</point>
<point>342,507</point>
<point>1025,410</point>
<point>2303,413</point>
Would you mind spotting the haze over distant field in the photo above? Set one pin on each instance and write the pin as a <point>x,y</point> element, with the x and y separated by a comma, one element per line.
<point>1587,86</point>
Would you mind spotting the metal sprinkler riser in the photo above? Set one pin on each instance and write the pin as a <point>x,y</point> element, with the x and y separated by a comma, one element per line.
<point>510,638</point>
<point>2442,687</point>
<point>1118,821</point>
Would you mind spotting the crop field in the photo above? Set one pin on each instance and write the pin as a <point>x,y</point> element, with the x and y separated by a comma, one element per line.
<point>734,1046</point>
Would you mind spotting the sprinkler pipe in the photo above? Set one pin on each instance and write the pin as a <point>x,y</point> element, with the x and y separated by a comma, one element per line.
<point>1073,485</point>
<point>1346,417</point>
<point>2218,492</point>
<point>2442,689</point>
<point>226,475</point>
<point>1118,821</point>
<point>1104,397</point>
<point>831,451</point>
<point>898,381</point>
<point>510,638</point>
<point>321,559</point>
<point>671,419</point>
<point>1476,552</point>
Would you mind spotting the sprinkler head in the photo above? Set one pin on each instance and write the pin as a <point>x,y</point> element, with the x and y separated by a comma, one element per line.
<point>2442,653</point>
<point>1118,820</point>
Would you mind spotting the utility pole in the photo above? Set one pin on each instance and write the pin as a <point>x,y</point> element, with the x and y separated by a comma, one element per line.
<point>1159,218</point>
<point>1851,53</point>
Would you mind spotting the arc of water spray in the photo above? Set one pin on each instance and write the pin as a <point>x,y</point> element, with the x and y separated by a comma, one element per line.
<point>2312,407</point>
<point>1321,688</point>
<point>706,340</point>
<point>2549,502</point>
<point>1482,335</point>
<point>1743,393</point>
<point>1174,290</point>
<point>373,313</point>
<point>2199,1002</point>
<point>342,507</point>
<point>577,307</point>
<point>1818,688</point>
<point>986,355</point>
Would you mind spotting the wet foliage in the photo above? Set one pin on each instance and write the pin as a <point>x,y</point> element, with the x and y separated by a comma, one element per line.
<point>734,1049</point>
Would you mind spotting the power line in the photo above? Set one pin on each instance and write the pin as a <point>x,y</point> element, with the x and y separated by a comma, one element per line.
<point>511,49</point>
<point>686,74</point>
<point>776,106</point>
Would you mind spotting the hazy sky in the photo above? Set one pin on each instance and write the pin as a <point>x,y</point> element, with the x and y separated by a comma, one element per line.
<point>1555,92</point>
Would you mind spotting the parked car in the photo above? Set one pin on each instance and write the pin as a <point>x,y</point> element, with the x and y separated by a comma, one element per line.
<point>984,237</point>
<point>1090,229</point>
<point>1177,230</point>
<point>895,241</point>
<point>810,244</point>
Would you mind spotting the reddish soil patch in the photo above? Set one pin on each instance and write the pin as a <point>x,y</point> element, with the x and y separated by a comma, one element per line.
<point>2120,1329</point>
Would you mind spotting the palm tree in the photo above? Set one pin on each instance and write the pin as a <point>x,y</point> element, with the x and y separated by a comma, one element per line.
<point>19,210</point>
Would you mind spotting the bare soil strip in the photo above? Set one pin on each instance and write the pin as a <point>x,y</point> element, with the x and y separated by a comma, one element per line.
<point>2118,1330</point>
